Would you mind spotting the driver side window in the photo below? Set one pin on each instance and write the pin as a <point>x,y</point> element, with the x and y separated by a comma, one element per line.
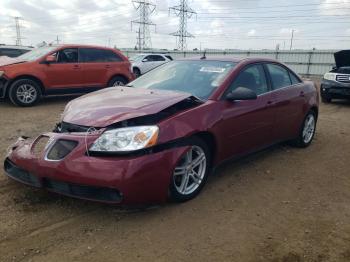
<point>69,55</point>
<point>252,77</point>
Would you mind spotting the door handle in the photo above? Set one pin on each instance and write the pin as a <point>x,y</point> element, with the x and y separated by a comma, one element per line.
<point>269,103</point>
<point>302,94</point>
<point>76,67</point>
<point>108,66</point>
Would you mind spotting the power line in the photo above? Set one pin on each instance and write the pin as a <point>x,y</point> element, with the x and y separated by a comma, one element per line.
<point>145,9</point>
<point>184,12</point>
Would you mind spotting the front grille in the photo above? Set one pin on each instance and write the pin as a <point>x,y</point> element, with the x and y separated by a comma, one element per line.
<point>64,127</point>
<point>343,78</point>
<point>19,174</point>
<point>83,191</point>
<point>61,149</point>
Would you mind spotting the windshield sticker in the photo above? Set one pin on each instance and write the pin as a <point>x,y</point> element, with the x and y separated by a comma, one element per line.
<point>213,69</point>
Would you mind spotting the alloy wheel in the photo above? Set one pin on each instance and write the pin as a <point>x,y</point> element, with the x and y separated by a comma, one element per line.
<point>26,93</point>
<point>309,128</point>
<point>190,172</point>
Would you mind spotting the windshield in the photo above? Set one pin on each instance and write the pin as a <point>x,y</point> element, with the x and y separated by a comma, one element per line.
<point>200,78</point>
<point>36,53</point>
<point>136,58</point>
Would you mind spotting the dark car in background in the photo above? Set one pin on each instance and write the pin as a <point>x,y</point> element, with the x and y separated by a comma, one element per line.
<point>13,51</point>
<point>336,83</point>
<point>63,69</point>
<point>159,137</point>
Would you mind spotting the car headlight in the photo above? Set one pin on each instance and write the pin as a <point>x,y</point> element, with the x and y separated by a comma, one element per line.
<point>330,76</point>
<point>126,139</point>
<point>2,73</point>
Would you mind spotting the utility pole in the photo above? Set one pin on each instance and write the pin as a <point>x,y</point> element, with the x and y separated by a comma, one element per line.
<point>57,40</point>
<point>145,9</point>
<point>291,40</point>
<point>184,12</point>
<point>18,30</point>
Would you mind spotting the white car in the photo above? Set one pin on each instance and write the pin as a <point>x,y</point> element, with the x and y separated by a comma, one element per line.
<point>13,50</point>
<point>143,63</point>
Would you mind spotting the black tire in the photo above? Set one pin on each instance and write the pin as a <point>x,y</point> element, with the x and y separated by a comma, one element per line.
<point>33,93</point>
<point>137,72</point>
<point>117,81</point>
<point>174,194</point>
<point>300,140</point>
<point>326,100</point>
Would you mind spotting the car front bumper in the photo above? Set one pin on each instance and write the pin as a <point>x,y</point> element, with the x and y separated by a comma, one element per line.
<point>334,89</point>
<point>125,179</point>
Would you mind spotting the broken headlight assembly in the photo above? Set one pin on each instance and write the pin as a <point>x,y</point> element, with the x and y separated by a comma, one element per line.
<point>126,139</point>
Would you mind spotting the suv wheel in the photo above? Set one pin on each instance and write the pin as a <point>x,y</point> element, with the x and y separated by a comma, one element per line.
<point>326,99</point>
<point>117,81</point>
<point>25,92</point>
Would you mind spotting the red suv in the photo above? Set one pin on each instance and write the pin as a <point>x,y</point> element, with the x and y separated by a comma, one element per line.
<point>61,69</point>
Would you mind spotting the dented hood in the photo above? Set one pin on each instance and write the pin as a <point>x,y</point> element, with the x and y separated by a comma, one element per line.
<point>115,104</point>
<point>342,58</point>
<point>5,61</point>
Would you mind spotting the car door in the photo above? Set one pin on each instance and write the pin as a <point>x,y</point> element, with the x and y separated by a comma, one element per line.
<point>95,67</point>
<point>158,60</point>
<point>65,72</point>
<point>147,64</point>
<point>246,126</point>
<point>288,99</point>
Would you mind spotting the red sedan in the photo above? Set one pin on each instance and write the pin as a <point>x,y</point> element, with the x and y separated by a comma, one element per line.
<point>159,137</point>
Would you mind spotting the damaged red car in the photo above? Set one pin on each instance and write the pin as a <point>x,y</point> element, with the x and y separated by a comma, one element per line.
<point>161,136</point>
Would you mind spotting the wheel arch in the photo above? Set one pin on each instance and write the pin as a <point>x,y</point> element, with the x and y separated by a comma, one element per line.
<point>31,77</point>
<point>210,140</point>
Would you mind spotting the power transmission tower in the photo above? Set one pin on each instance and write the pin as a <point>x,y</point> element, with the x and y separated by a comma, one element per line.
<point>18,30</point>
<point>184,12</point>
<point>145,9</point>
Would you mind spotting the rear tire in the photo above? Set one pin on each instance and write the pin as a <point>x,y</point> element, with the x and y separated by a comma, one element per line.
<point>25,92</point>
<point>137,72</point>
<point>191,172</point>
<point>117,81</point>
<point>307,130</point>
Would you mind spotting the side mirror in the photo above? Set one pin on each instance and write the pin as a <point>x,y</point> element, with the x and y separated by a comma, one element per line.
<point>145,60</point>
<point>241,93</point>
<point>50,59</point>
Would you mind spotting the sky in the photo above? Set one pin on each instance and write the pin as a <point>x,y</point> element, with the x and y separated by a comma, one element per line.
<point>218,24</point>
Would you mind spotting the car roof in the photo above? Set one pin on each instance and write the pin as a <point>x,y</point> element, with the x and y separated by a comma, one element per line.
<point>231,59</point>
<point>143,54</point>
<point>82,46</point>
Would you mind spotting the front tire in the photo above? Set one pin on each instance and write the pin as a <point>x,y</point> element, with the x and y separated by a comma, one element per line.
<point>326,100</point>
<point>25,92</point>
<point>191,172</point>
<point>307,130</point>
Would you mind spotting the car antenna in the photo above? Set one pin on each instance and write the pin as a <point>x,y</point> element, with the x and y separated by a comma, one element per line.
<point>204,55</point>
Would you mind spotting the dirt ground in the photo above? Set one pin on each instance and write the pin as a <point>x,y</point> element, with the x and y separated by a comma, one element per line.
<point>282,204</point>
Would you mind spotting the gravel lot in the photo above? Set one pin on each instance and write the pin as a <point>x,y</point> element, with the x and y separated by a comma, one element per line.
<point>282,204</point>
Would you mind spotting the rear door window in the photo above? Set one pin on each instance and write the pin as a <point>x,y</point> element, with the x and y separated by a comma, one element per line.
<point>93,55</point>
<point>157,58</point>
<point>295,80</point>
<point>169,57</point>
<point>279,76</point>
